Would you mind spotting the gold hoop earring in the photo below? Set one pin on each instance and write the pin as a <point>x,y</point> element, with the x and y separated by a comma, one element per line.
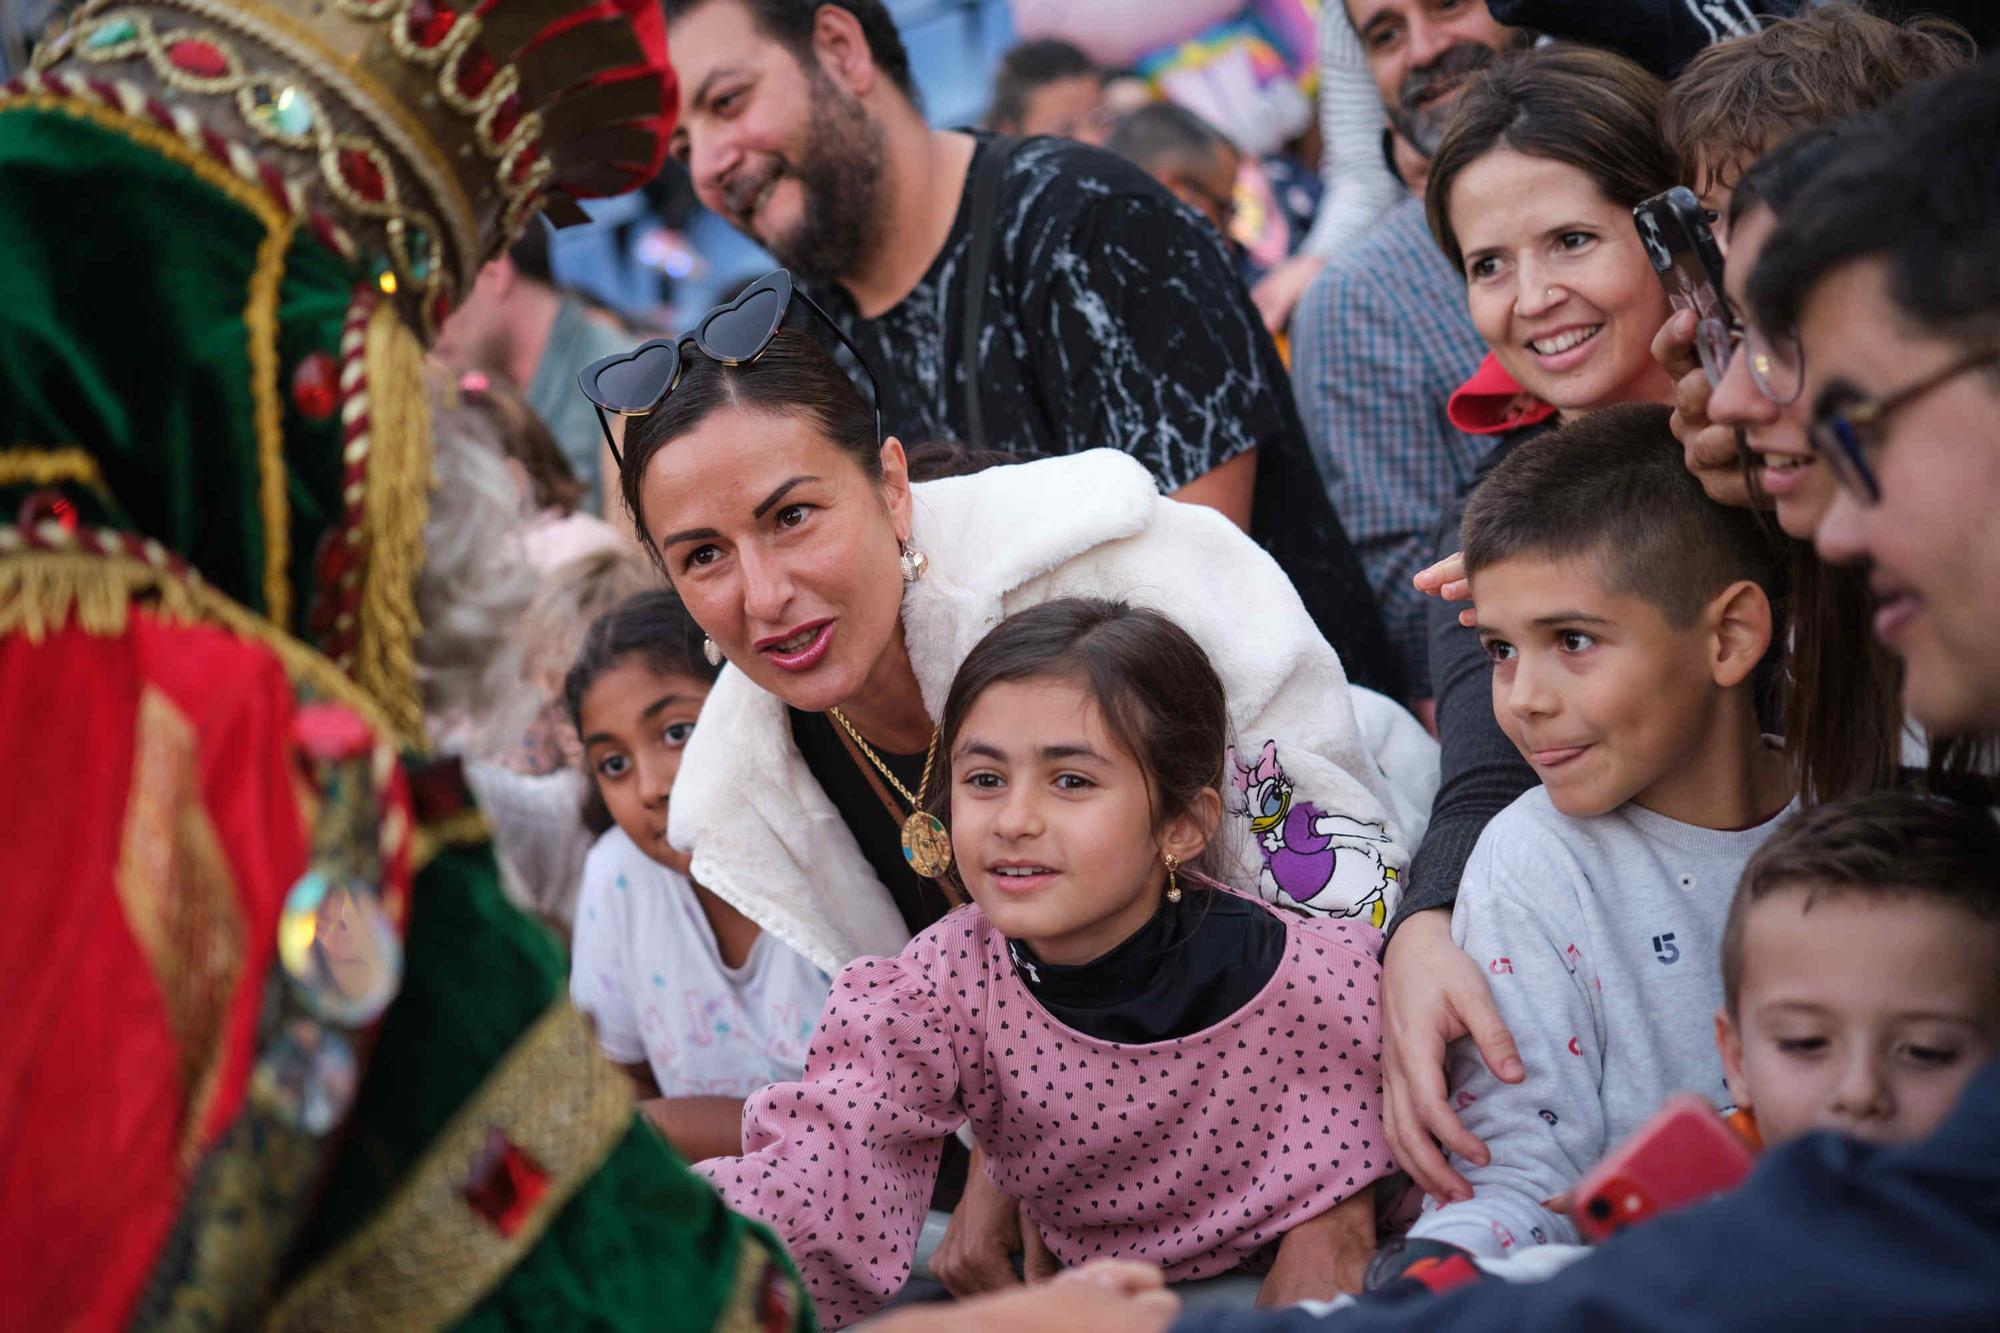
<point>1173,880</point>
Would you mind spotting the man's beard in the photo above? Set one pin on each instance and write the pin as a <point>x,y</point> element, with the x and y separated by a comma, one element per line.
<point>1423,122</point>
<point>839,173</point>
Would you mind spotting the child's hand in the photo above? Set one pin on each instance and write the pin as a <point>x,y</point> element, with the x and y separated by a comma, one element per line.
<point>1711,451</point>
<point>1447,579</point>
<point>1319,1259</point>
<point>985,1229</point>
<point>1104,1297</point>
<point>1431,994</point>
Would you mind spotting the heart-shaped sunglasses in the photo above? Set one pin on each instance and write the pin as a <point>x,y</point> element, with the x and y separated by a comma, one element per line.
<point>635,383</point>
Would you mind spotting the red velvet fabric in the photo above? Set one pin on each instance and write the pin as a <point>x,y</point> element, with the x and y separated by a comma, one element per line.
<point>92,1107</point>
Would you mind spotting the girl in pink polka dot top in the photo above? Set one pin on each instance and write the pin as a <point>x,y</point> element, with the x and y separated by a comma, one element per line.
<point>1157,1068</point>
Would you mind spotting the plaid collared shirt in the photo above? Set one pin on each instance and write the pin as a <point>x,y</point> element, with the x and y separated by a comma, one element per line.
<point>1379,343</point>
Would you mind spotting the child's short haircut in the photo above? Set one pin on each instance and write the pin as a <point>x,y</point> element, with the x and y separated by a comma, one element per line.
<point>1882,845</point>
<point>1612,484</point>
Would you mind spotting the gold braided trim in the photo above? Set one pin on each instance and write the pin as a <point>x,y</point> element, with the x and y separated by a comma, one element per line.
<point>40,590</point>
<point>24,466</point>
<point>260,315</point>
<point>427,1257</point>
<point>397,503</point>
<point>741,1314</point>
<point>467,828</point>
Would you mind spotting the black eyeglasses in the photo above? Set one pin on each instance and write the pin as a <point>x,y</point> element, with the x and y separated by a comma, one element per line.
<point>1844,435</point>
<point>635,383</point>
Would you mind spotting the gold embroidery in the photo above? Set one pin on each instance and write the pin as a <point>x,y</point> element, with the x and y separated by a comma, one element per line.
<point>179,896</point>
<point>426,1257</point>
<point>24,466</point>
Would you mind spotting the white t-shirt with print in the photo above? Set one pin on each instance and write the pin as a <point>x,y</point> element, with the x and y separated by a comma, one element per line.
<point>646,968</point>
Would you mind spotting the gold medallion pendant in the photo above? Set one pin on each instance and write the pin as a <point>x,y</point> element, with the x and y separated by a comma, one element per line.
<point>926,846</point>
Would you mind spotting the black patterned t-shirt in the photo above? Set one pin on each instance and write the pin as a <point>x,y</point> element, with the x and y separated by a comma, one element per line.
<point>1115,317</point>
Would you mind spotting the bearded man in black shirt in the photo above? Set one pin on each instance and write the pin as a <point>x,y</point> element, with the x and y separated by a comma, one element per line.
<point>1068,303</point>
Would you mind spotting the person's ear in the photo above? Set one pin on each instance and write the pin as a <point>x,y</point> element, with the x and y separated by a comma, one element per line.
<point>1729,1044</point>
<point>1740,632</point>
<point>841,47</point>
<point>895,484</point>
<point>1188,832</point>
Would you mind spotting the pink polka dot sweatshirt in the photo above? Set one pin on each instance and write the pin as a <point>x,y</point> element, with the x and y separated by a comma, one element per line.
<point>1196,1154</point>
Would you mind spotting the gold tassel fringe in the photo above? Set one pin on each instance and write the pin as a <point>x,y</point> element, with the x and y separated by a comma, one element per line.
<point>397,504</point>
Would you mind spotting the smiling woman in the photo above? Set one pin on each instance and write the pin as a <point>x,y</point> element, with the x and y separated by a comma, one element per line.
<point>1531,197</point>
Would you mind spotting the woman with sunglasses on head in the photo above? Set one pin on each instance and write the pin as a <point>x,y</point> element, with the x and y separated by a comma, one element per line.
<point>844,598</point>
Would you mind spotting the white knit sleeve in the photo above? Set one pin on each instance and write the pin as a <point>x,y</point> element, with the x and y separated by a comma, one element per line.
<point>1359,187</point>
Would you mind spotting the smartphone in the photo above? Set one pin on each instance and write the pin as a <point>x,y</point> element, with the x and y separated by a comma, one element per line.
<point>1674,228</point>
<point>1684,1154</point>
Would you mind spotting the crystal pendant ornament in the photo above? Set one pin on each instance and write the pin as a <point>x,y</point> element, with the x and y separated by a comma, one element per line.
<point>306,1076</point>
<point>913,562</point>
<point>340,949</point>
<point>926,845</point>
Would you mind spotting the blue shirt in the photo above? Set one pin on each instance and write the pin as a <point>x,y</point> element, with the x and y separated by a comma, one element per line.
<point>1380,341</point>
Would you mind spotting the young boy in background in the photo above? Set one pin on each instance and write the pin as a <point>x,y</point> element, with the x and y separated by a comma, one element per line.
<point>1625,615</point>
<point>1861,969</point>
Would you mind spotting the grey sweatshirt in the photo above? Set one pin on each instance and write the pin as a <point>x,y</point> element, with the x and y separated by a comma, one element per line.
<point>1601,939</point>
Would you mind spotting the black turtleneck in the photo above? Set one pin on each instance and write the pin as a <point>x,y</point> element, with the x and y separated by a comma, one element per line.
<point>1192,965</point>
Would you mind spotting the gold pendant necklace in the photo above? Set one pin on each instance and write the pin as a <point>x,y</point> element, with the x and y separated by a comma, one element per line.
<point>926,846</point>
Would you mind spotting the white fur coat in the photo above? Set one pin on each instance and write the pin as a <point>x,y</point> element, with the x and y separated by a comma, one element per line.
<point>1329,784</point>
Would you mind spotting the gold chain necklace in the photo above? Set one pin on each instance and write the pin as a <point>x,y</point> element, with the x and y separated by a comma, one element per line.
<point>926,846</point>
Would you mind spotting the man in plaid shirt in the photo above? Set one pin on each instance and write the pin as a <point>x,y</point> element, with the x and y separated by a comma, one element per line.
<point>1382,337</point>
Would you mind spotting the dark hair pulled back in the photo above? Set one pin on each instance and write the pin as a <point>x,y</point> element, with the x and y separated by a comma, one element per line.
<point>653,626</point>
<point>1155,688</point>
<point>795,377</point>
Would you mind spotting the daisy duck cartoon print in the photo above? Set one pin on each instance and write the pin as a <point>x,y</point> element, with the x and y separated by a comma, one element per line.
<point>1328,865</point>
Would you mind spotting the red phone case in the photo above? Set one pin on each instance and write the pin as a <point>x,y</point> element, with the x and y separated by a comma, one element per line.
<point>1684,1154</point>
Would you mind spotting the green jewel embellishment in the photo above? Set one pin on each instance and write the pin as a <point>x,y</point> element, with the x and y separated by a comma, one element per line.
<point>287,112</point>
<point>116,33</point>
<point>419,243</point>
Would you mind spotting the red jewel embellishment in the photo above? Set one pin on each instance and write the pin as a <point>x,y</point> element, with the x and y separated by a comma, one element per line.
<point>505,1184</point>
<point>475,70</point>
<point>202,59</point>
<point>316,387</point>
<point>328,733</point>
<point>43,505</point>
<point>361,174</point>
<point>430,23</point>
<point>521,165</point>
<point>440,309</point>
<point>506,116</point>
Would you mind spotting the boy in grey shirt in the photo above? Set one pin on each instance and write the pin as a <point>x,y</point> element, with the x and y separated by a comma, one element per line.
<point>1625,615</point>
